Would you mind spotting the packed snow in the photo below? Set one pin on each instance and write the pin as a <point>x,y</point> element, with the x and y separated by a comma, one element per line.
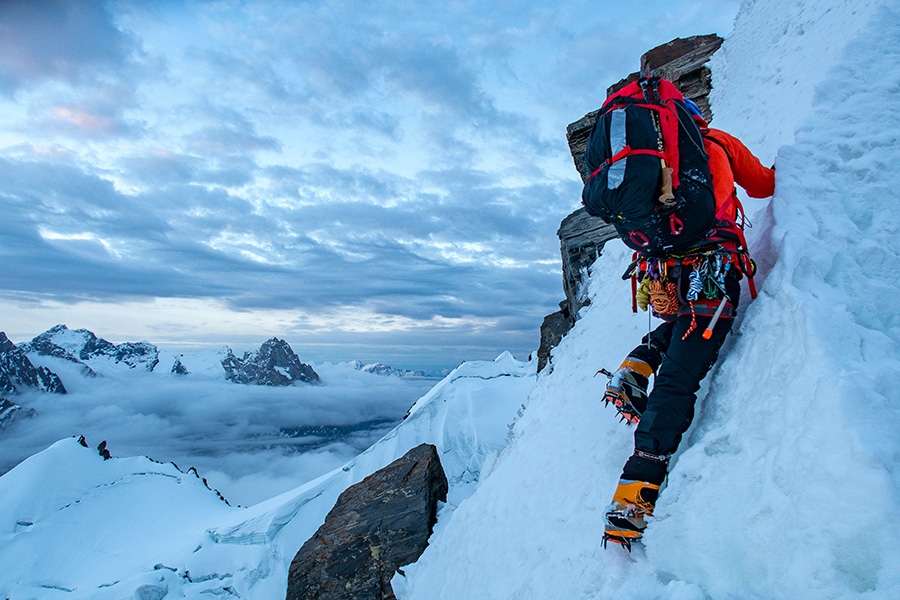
<point>785,487</point>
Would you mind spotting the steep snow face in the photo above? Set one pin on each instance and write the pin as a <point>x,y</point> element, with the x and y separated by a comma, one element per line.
<point>122,528</point>
<point>787,486</point>
<point>767,74</point>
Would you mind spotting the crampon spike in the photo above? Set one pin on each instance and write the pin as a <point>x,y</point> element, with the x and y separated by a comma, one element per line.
<point>624,542</point>
<point>603,372</point>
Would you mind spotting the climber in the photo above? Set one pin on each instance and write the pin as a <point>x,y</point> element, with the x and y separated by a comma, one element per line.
<point>696,293</point>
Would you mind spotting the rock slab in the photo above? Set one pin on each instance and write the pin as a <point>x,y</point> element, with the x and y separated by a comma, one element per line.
<point>376,527</point>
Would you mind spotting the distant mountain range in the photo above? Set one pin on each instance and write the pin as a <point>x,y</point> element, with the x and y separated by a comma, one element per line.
<point>275,363</point>
<point>33,365</point>
<point>30,366</point>
<point>385,370</point>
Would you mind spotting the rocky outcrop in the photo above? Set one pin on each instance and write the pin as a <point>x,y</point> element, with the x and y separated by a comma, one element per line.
<point>683,61</point>
<point>376,527</point>
<point>10,411</point>
<point>273,364</point>
<point>178,368</point>
<point>17,373</point>
<point>581,240</point>
<point>81,345</point>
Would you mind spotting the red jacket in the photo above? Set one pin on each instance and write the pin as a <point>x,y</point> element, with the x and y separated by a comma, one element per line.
<point>731,162</point>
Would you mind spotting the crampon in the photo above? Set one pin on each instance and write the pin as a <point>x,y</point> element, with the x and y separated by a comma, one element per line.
<point>617,395</point>
<point>622,528</point>
<point>626,518</point>
<point>626,541</point>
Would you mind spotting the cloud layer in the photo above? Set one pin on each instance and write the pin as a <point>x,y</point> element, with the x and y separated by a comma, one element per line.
<point>251,442</point>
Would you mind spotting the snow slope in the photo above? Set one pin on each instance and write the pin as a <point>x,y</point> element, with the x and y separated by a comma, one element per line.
<point>787,486</point>
<point>77,527</point>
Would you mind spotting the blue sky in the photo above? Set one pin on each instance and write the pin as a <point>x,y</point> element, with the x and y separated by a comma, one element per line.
<point>380,181</point>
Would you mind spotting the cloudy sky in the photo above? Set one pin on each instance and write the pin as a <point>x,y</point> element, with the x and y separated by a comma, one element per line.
<point>372,180</point>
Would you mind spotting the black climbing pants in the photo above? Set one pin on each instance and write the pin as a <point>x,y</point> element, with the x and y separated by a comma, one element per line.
<point>683,363</point>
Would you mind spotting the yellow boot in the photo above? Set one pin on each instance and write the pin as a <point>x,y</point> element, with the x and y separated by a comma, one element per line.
<point>626,516</point>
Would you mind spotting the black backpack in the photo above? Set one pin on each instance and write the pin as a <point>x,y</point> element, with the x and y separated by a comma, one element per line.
<point>643,131</point>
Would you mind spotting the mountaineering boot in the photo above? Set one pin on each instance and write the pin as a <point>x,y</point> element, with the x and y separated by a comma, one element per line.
<point>626,517</point>
<point>627,388</point>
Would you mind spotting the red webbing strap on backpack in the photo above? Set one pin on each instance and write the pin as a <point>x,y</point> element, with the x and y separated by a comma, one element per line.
<point>631,272</point>
<point>748,267</point>
<point>623,153</point>
<point>659,95</point>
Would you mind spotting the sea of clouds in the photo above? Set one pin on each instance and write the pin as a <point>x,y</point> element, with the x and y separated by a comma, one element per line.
<point>249,442</point>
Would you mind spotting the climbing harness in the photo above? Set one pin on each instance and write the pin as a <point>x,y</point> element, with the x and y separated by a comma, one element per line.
<point>706,274</point>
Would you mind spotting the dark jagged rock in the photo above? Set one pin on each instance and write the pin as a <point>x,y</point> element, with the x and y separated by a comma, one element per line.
<point>6,384</point>
<point>577,135</point>
<point>683,61</point>
<point>231,364</point>
<point>81,345</point>
<point>17,371</point>
<point>273,364</point>
<point>179,369</point>
<point>376,527</point>
<point>136,354</point>
<point>553,329</point>
<point>581,241</point>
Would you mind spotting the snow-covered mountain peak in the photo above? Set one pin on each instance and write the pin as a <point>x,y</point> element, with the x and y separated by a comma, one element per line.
<point>384,370</point>
<point>275,363</point>
<point>18,373</point>
<point>96,354</point>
